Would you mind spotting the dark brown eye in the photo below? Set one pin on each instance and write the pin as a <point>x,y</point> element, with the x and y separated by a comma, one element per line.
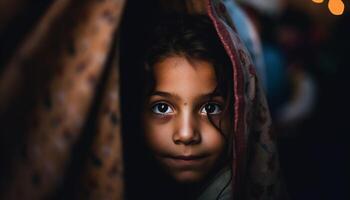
<point>161,108</point>
<point>211,109</point>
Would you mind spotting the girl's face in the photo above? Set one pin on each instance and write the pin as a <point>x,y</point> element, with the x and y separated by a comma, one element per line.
<point>177,127</point>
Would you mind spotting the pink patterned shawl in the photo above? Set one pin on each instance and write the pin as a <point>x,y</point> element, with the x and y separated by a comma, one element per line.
<point>255,165</point>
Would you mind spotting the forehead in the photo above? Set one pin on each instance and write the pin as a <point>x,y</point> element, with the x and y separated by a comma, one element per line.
<point>182,76</point>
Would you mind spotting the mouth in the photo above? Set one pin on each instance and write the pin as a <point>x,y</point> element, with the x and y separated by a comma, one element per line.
<point>186,161</point>
<point>188,157</point>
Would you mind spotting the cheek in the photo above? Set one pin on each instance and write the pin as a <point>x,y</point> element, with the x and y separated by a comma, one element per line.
<point>212,139</point>
<point>215,142</point>
<point>157,134</point>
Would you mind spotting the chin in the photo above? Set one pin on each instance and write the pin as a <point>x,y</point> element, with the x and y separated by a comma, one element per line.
<point>187,177</point>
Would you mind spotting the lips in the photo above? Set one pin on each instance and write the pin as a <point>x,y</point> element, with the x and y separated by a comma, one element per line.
<point>188,158</point>
<point>186,161</point>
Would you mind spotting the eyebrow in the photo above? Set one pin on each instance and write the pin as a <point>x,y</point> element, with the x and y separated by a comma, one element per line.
<point>165,94</point>
<point>177,97</point>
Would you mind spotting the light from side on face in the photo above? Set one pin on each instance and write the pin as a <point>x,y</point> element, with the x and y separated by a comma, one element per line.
<point>177,127</point>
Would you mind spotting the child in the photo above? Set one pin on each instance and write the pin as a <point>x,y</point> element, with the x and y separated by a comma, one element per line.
<point>190,112</point>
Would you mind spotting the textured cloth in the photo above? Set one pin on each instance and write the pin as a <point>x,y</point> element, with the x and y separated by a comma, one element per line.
<point>59,106</point>
<point>255,164</point>
<point>220,187</point>
<point>249,37</point>
<point>59,109</point>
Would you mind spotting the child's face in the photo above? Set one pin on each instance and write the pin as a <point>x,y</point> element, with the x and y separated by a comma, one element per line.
<point>177,128</point>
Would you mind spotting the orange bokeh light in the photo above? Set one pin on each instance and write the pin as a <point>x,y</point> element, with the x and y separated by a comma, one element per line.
<point>336,7</point>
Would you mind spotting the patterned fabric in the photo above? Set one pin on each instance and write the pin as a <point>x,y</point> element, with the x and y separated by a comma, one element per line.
<point>249,36</point>
<point>59,106</point>
<point>60,100</point>
<point>255,165</point>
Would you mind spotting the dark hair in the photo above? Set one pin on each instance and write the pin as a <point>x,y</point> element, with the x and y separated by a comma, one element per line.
<point>193,37</point>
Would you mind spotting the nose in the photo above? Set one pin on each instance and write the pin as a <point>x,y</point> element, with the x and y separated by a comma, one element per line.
<point>187,130</point>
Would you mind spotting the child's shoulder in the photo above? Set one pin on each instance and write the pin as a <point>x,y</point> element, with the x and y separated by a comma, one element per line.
<point>220,187</point>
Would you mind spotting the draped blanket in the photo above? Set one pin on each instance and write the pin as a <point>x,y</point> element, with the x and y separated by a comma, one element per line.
<point>60,116</point>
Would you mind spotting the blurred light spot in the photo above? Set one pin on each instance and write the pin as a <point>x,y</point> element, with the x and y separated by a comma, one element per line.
<point>336,7</point>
